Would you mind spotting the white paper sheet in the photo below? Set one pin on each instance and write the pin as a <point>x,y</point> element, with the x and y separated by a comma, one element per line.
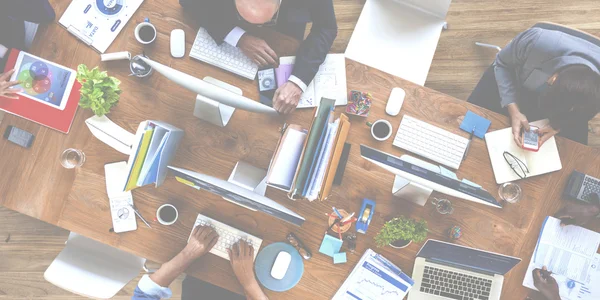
<point>284,169</point>
<point>121,212</point>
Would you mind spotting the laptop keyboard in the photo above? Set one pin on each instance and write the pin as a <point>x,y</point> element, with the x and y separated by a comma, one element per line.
<point>453,285</point>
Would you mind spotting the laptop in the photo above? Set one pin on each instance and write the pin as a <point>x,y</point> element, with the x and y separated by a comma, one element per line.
<point>448,271</point>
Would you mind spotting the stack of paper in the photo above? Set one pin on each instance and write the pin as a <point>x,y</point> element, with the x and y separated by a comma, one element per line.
<point>374,277</point>
<point>569,252</point>
<point>329,82</point>
<point>155,145</point>
<point>281,175</point>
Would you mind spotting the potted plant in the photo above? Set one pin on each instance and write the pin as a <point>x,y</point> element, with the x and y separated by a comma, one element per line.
<point>400,232</point>
<point>99,92</point>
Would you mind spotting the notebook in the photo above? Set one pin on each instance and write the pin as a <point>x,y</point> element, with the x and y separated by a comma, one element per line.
<point>374,277</point>
<point>569,252</point>
<point>546,160</point>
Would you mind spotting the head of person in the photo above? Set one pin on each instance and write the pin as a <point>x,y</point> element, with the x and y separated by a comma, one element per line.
<point>573,96</point>
<point>257,11</point>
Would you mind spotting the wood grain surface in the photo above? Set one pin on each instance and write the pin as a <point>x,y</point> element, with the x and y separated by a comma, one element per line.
<point>36,185</point>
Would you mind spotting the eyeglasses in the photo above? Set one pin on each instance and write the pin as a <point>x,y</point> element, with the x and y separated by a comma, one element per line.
<point>295,241</point>
<point>517,165</point>
<point>272,22</point>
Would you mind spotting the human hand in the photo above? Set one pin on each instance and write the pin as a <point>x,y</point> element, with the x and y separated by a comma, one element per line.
<point>6,89</point>
<point>546,284</point>
<point>241,257</point>
<point>287,97</point>
<point>546,133</point>
<point>519,123</point>
<point>203,239</point>
<point>258,50</point>
<point>578,213</point>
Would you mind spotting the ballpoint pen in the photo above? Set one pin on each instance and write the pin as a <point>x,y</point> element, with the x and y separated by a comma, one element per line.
<point>469,144</point>
<point>139,215</point>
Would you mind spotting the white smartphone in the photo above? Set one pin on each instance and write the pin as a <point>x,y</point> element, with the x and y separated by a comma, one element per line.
<point>43,81</point>
<point>531,139</point>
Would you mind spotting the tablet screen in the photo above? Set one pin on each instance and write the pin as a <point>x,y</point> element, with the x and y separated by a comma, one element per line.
<point>43,81</point>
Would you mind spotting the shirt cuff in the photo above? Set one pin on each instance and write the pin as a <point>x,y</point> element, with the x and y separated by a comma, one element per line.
<point>234,36</point>
<point>298,82</point>
<point>151,288</point>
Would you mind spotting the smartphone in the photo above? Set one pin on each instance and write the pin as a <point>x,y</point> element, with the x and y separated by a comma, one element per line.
<point>19,136</point>
<point>531,139</point>
<point>267,85</point>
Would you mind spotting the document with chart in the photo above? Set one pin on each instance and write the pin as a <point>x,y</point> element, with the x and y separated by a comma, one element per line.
<point>374,278</point>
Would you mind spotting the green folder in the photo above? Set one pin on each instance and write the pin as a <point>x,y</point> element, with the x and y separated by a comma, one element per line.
<point>312,144</point>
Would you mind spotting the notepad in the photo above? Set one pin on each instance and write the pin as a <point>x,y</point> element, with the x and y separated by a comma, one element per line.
<point>477,122</point>
<point>546,160</point>
<point>330,245</point>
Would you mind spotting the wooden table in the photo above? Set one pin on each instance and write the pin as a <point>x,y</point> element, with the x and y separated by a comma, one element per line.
<point>34,183</point>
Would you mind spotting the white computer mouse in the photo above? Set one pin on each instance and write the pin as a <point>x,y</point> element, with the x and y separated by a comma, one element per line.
<point>395,102</point>
<point>281,265</point>
<point>177,43</point>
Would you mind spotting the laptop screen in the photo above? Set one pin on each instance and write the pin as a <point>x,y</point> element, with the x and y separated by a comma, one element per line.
<point>467,258</point>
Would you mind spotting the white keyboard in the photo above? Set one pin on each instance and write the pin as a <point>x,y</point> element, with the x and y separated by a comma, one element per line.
<point>226,57</point>
<point>431,142</point>
<point>227,236</point>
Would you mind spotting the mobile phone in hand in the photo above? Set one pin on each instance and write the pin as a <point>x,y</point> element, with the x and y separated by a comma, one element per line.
<point>19,136</point>
<point>531,139</point>
<point>267,84</point>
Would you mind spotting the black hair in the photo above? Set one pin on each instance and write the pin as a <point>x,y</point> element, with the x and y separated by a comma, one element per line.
<point>574,96</point>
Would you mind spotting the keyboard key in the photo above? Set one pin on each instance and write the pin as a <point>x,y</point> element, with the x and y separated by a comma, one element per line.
<point>451,296</point>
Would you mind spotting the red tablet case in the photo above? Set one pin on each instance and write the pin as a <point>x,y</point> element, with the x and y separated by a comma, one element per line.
<point>40,113</point>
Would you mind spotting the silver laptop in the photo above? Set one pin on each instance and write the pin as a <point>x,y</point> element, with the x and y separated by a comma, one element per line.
<point>448,271</point>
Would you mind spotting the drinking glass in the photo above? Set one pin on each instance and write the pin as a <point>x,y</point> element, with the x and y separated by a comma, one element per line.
<point>72,158</point>
<point>510,192</point>
<point>443,206</point>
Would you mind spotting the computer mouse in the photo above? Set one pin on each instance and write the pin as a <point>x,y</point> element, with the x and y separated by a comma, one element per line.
<point>281,265</point>
<point>177,43</point>
<point>395,102</point>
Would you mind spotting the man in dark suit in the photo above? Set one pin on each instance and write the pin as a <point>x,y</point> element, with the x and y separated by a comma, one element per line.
<point>225,21</point>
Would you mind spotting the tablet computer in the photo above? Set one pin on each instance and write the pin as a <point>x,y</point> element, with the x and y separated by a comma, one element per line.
<point>43,81</point>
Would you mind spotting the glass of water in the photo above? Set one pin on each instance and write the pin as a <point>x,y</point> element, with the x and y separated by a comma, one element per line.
<point>443,206</point>
<point>72,158</point>
<point>510,192</point>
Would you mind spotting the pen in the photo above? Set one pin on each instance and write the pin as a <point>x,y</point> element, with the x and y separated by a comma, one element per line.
<point>337,213</point>
<point>140,215</point>
<point>469,144</point>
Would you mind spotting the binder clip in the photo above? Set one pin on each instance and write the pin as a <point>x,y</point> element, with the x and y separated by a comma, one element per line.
<point>365,216</point>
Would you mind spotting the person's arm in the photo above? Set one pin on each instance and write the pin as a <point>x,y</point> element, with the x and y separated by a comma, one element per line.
<point>155,286</point>
<point>35,11</point>
<point>546,284</point>
<point>314,49</point>
<point>241,257</point>
<point>217,17</point>
<point>509,60</point>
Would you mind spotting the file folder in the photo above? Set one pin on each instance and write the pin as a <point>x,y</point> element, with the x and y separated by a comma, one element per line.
<point>314,156</point>
<point>155,145</point>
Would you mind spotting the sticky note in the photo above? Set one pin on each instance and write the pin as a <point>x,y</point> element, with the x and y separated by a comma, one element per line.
<point>330,245</point>
<point>471,183</point>
<point>473,120</point>
<point>448,173</point>
<point>339,258</point>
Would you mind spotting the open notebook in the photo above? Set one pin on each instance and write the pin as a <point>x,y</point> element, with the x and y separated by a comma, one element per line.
<point>544,161</point>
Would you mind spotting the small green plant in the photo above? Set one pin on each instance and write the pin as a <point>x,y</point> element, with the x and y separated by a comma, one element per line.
<point>401,228</point>
<point>99,92</point>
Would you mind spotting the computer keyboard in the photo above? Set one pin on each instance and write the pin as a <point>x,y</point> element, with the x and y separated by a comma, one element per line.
<point>225,56</point>
<point>227,236</point>
<point>431,142</point>
<point>454,285</point>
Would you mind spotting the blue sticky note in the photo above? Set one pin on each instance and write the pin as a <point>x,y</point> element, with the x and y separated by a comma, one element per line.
<point>330,245</point>
<point>471,183</point>
<point>473,120</point>
<point>339,258</point>
<point>448,173</point>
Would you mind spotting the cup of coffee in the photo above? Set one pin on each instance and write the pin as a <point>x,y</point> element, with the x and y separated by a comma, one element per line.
<point>145,32</point>
<point>167,214</point>
<point>381,130</point>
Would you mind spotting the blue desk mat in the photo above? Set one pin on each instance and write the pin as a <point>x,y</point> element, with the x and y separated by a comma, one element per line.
<point>264,263</point>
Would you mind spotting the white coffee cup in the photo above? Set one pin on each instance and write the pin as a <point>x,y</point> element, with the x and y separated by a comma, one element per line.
<point>139,27</point>
<point>166,222</point>
<point>379,124</point>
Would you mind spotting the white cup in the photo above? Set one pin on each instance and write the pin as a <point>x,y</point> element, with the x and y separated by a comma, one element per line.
<point>139,27</point>
<point>163,222</point>
<point>389,127</point>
